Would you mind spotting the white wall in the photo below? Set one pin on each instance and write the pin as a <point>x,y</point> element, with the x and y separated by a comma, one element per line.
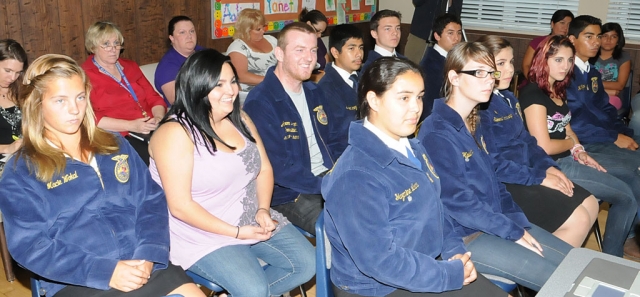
<point>405,7</point>
<point>597,8</point>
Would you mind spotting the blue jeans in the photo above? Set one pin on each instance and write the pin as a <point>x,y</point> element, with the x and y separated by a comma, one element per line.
<point>505,258</point>
<point>604,186</point>
<point>634,122</point>
<point>621,163</point>
<point>289,256</point>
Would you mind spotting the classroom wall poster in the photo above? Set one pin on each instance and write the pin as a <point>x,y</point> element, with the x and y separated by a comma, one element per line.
<point>230,11</point>
<point>280,6</point>
<point>309,4</point>
<point>355,4</point>
<point>330,5</point>
<point>369,2</point>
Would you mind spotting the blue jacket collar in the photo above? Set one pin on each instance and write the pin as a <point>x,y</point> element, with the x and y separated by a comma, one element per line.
<point>367,142</point>
<point>448,114</point>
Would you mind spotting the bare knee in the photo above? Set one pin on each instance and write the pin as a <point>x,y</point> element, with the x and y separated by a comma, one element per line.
<point>592,207</point>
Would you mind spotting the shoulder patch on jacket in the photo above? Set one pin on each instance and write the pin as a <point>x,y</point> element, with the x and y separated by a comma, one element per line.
<point>121,170</point>
<point>321,115</point>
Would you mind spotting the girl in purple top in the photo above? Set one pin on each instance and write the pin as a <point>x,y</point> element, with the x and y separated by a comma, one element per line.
<point>210,160</point>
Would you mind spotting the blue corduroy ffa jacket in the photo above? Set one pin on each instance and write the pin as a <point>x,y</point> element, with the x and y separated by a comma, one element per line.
<point>516,156</point>
<point>385,221</point>
<point>432,65</point>
<point>284,138</point>
<point>593,119</point>
<point>471,192</point>
<point>372,55</point>
<point>341,104</point>
<point>73,230</point>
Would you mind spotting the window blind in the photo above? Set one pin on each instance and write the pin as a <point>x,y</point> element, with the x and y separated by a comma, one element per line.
<point>627,14</point>
<point>525,15</point>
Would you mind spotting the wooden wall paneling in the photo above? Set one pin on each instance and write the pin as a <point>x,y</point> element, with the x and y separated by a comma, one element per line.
<point>125,15</point>
<point>72,29</point>
<point>10,26</point>
<point>198,11</point>
<point>93,11</point>
<point>4,30</point>
<point>149,31</point>
<point>40,27</point>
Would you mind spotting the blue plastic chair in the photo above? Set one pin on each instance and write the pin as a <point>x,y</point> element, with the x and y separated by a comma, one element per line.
<point>323,282</point>
<point>205,282</point>
<point>37,291</point>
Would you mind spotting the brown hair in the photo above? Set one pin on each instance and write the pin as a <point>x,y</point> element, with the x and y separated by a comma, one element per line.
<point>296,26</point>
<point>11,50</point>
<point>459,56</point>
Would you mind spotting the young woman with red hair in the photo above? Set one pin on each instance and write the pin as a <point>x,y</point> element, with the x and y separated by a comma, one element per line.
<point>547,117</point>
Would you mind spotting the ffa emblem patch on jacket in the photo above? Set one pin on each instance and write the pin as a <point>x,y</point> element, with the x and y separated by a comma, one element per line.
<point>321,115</point>
<point>122,168</point>
<point>594,84</point>
<point>467,155</point>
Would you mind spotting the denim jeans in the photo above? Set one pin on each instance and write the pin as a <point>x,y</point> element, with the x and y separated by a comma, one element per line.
<point>303,212</point>
<point>505,258</point>
<point>289,256</point>
<point>619,162</point>
<point>604,186</point>
<point>634,122</point>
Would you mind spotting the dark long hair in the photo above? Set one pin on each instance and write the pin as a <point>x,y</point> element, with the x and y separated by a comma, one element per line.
<point>379,78</point>
<point>539,72</point>
<point>11,49</point>
<point>617,51</point>
<point>198,75</point>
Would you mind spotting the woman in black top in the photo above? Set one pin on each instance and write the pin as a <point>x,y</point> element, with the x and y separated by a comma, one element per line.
<point>547,118</point>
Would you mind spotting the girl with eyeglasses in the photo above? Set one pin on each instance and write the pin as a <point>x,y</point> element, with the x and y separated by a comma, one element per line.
<point>494,229</point>
<point>548,198</point>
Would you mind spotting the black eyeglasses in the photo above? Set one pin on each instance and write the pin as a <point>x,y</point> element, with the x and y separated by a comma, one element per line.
<point>479,73</point>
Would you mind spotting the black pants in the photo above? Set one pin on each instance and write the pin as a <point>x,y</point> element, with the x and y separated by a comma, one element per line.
<point>481,287</point>
<point>161,283</point>
<point>303,212</point>
<point>141,147</point>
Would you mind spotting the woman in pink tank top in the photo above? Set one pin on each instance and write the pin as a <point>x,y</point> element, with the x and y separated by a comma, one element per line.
<point>208,157</point>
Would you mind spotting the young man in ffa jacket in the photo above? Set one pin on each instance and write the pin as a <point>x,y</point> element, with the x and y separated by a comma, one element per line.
<point>447,31</point>
<point>594,120</point>
<point>294,126</point>
<point>340,82</point>
<point>385,29</point>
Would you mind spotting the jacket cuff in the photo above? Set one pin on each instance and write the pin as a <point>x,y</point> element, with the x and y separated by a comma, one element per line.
<point>155,253</point>
<point>100,273</point>
<point>453,274</point>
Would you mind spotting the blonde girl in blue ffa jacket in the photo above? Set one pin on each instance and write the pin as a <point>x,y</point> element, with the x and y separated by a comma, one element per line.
<point>383,216</point>
<point>493,227</point>
<point>80,208</point>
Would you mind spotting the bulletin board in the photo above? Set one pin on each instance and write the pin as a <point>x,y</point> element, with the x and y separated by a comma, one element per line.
<point>279,13</point>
